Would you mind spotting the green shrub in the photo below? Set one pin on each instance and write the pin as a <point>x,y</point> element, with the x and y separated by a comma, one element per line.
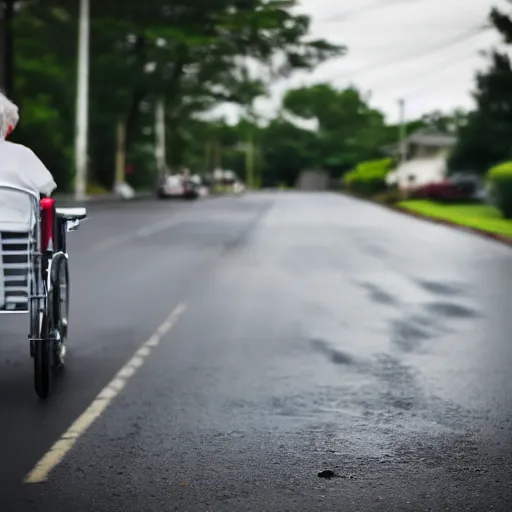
<point>500,180</point>
<point>368,178</point>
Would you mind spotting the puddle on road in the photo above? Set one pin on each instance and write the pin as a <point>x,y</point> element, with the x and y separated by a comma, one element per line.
<point>335,355</point>
<point>379,295</point>
<point>441,288</point>
<point>450,310</point>
<point>410,333</point>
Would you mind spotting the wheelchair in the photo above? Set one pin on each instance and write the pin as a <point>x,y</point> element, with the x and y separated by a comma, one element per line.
<point>34,275</point>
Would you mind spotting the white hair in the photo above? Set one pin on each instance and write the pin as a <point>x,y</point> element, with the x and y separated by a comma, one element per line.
<point>8,115</point>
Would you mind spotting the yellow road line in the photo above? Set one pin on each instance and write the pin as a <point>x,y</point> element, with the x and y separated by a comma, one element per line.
<point>62,447</point>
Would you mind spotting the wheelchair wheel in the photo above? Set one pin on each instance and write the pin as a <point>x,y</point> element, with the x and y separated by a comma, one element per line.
<point>42,360</point>
<point>60,308</point>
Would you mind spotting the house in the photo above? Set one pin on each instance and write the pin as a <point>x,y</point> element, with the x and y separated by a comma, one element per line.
<point>426,153</point>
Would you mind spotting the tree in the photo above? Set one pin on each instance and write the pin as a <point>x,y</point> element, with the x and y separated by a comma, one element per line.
<point>193,55</point>
<point>350,131</point>
<point>196,51</point>
<point>449,123</point>
<point>286,151</point>
<point>484,140</point>
<point>45,85</point>
<point>7,10</point>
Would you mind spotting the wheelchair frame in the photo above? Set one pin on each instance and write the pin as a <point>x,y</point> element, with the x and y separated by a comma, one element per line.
<point>41,266</point>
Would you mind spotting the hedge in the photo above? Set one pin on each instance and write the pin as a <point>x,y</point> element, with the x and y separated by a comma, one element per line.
<point>368,178</point>
<point>500,180</point>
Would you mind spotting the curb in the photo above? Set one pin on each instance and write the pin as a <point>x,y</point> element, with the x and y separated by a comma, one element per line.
<point>111,199</point>
<point>475,231</point>
<point>106,199</point>
<point>443,222</point>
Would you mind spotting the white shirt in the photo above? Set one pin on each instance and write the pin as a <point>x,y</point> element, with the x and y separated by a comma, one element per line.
<point>20,168</point>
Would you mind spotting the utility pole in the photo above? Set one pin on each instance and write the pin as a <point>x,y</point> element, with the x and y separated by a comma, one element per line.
<point>207,157</point>
<point>249,163</point>
<point>218,155</point>
<point>7,9</point>
<point>401,132</point>
<point>120,155</point>
<point>160,153</point>
<point>82,103</point>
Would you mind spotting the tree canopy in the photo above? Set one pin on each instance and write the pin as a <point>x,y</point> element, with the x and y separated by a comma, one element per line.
<point>194,55</point>
<point>484,140</point>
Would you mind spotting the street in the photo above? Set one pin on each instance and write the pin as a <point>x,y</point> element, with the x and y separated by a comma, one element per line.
<point>299,333</point>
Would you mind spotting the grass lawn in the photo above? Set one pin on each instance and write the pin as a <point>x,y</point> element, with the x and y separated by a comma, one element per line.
<point>478,216</point>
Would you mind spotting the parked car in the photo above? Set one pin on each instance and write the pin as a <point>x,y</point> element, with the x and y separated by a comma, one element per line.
<point>171,187</point>
<point>470,183</point>
<point>190,189</point>
<point>178,187</point>
<point>202,188</point>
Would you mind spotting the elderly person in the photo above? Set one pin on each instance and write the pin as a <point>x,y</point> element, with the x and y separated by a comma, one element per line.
<point>19,166</point>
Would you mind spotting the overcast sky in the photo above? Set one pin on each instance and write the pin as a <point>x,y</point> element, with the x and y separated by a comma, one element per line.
<point>426,51</point>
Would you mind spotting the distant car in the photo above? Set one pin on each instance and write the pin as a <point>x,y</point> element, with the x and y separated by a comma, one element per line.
<point>203,191</point>
<point>177,187</point>
<point>469,183</point>
<point>190,189</point>
<point>171,186</point>
<point>201,187</point>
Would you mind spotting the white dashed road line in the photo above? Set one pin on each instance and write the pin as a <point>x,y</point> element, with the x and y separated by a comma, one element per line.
<point>62,447</point>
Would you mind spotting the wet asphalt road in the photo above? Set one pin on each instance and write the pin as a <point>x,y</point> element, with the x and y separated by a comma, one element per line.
<point>320,333</point>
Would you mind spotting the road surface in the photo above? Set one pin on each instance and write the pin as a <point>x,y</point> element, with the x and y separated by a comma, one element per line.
<point>276,336</point>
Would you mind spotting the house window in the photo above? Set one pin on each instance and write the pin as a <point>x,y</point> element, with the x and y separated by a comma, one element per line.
<point>425,151</point>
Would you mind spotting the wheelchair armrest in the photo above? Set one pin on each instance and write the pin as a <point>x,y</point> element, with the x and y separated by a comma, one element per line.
<point>71,213</point>
<point>72,217</point>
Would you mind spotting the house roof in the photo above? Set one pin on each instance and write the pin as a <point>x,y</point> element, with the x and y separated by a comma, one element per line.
<point>425,137</point>
<point>432,139</point>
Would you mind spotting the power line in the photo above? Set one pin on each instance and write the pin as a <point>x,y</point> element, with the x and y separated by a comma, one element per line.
<point>438,79</point>
<point>373,6</point>
<point>444,64</point>
<point>442,67</point>
<point>447,43</point>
